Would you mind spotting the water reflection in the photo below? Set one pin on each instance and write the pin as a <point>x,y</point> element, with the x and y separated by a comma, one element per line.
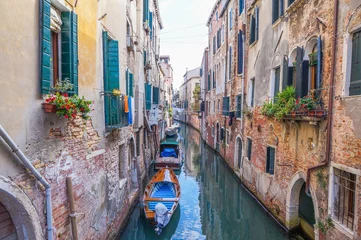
<point>213,204</point>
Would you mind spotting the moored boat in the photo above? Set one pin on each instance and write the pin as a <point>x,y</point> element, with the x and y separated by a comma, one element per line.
<point>161,198</point>
<point>170,155</point>
<point>170,132</point>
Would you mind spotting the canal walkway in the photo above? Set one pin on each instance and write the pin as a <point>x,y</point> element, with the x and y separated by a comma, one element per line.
<point>213,203</point>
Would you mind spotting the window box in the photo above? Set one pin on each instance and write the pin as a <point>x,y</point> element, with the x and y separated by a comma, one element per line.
<point>49,108</point>
<point>310,115</point>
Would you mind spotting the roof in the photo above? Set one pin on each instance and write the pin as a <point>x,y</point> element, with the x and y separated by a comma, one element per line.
<point>213,11</point>
<point>156,6</point>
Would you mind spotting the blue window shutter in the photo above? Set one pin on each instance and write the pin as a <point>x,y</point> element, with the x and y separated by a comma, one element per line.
<point>241,6</point>
<point>252,30</point>
<point>275,10</point>
<point>281,7</point>
<point>69,48</point>
<point>131,83</point>
<point>225,106</point>
<point>127,82</point>
<point>145,57</point>
<point>45,44</point>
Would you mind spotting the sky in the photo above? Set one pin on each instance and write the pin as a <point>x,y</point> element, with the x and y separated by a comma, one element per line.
<point>184,35</point>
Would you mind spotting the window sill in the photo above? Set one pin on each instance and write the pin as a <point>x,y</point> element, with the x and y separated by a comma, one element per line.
<point>350,234</point>
<point>351,97</point>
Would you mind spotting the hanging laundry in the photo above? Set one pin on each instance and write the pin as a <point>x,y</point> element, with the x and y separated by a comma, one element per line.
<point>126,105</point>
<point>130,111</point>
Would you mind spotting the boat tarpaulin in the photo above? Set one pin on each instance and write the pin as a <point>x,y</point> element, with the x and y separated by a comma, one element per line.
<point>168,152</point>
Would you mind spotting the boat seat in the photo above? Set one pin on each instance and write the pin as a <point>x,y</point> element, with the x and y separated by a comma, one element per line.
<point>163,190</point>
<point>151,205</point>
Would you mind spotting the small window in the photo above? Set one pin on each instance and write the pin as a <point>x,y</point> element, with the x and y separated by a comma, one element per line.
<point>249,148</point>
<point>222,134</point>
<point>241,6</point>
<point>239,105</point>
<point>252,82</point>
<point>270,160</point>
<point>230,20</point>
<point>277,10</point>
<point>355,81</point>
<point>343,198</point>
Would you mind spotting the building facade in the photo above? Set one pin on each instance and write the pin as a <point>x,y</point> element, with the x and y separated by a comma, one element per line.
<point>107,51</point>
<point>280,104</point>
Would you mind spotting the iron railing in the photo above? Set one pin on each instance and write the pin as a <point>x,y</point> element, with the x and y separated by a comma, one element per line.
<point>115,115</point>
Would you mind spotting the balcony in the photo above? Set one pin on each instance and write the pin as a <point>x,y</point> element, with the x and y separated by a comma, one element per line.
<point>115,117</point>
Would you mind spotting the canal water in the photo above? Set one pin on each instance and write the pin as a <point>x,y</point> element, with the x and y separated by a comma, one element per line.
<point>213,204</point>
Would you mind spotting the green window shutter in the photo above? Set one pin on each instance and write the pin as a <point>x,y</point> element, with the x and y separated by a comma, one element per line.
<point>145,10</point>
<point>145,57</point>
<point>69,48</point>
<point>113,65</point>
<point>131,83</point>
<point>45,45</point>
<point>299,73</point>
<point>148,96</point>
<point>277,81</point>
<point>155,95</point>
<point>209,81</point>
<point>285,74</point>
<point>355,81</point>
<point>225,106</point>
<point>151,24</point>
<point>249,149</point>
<point>127,82</point>
<point>270,160</point>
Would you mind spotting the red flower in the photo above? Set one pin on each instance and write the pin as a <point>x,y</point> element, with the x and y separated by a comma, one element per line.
<point>65,95</point>
<point>47,100</point>
<point>73,115</point>
<point>82,109</point>
<point>66,116</point>
<point>67,107</point>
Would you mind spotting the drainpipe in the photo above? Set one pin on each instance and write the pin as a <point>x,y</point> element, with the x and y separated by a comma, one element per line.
<point>17,151</point>
<point>330,100</point>
<point>243,73</point>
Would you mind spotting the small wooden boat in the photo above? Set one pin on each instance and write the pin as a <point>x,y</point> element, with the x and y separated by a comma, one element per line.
<point>161,198</point>
<point>170,132</point>
<point>170,155</point>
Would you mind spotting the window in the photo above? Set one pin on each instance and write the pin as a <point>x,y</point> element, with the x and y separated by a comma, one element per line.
<point>214,106</point>
<point>313,70</point>
<point>230,19</point>
<point>222,33</point>
<point>212,130</point>
<point>355,81</point>
<point>227,137</point>
<point>343,198</point>
<point>252,92</point>
<point>270,165</point>
<point>239,105</point>
<point>225,106</point>
<point>277,10</point>
<point>214,45</point>
<point>59,44</point>
<point>148,96</point>
<point>129,83</point>
<point>277,72</point>
<point>290,2</point>
<point>254,26</point>
<point>240,53</point>
<point>156,95</point>
<point>230,64</point>
<point>216,16</point>
<point>218,105</point>
<point>218,38</point>
<point>222,134</point>
<point>209,81</point>
<point>249,148</point>
<point>214,81</point>
<point>146,11</point>
<point>241,6</point>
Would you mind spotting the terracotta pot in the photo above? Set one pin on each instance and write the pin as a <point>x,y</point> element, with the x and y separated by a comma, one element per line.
<point>320,113</point>
<point>293,113</point>
<point>49,108</point>
<point>312,113</point>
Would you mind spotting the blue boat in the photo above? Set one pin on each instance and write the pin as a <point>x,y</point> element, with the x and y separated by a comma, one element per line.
<point>161,198</point>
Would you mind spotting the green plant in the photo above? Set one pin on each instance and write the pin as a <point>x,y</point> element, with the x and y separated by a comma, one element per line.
<point>196,94</point>
<point>282,105</point>
<point>69,107</point>
<point>305,103</point>
<point>63,85</point>
<point>170,112</point>
<point>326,225</point>
<point>321,179</point>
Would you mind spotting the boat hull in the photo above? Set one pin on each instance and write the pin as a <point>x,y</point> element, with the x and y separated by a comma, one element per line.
<point>162,190</point>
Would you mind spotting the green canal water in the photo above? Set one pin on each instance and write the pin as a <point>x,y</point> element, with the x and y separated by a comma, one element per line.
<point>213,203</point>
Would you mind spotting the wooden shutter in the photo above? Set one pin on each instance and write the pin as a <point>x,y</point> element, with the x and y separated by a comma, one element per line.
<point>241,6</point>
<point>209,81</point>
<point>145,10</point>
<point>151,24</point>
<point>131,84</point>
<point>319,66</point>
<point>270,160</point>
<point>240,53</point>
<point>277,81</point>
<point>214,81</point>
<point>285,74</point>
<point>256,24</point>
<point>299,73</point>
<point>148,96</point>
<point>281,7</point>
<point>239,105</point>
<point>249,149</point>
<point>45,46</point>
<point>69,48</point>
<point>225,106</point>
<point>230,64</point>
<point>252,33</point>
<point>305,68</point>
<point>155,95</point>
<point>355,81</point>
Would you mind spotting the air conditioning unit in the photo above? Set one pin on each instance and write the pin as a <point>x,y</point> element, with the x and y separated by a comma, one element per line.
<point>130,44</point>
<point>146,27</point>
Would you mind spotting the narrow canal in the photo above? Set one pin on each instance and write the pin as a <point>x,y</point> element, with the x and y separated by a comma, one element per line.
<point>213,204</point>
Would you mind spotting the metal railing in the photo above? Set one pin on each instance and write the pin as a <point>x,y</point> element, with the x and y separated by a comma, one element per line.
<point>115,116</point>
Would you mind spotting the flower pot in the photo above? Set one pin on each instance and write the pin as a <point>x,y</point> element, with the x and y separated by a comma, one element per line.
<point>320,113</point>
<point>311,113</point>
<point>49,108</point>
<point>293,114</point>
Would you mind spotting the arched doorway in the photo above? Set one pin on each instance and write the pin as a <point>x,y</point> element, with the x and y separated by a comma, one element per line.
<point>238,154</point>
<point>7,228</point>
<point>301,207</point>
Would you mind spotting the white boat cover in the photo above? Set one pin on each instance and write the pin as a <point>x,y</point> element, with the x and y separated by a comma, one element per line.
<point>167,176</point>
<point>161,217</point>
